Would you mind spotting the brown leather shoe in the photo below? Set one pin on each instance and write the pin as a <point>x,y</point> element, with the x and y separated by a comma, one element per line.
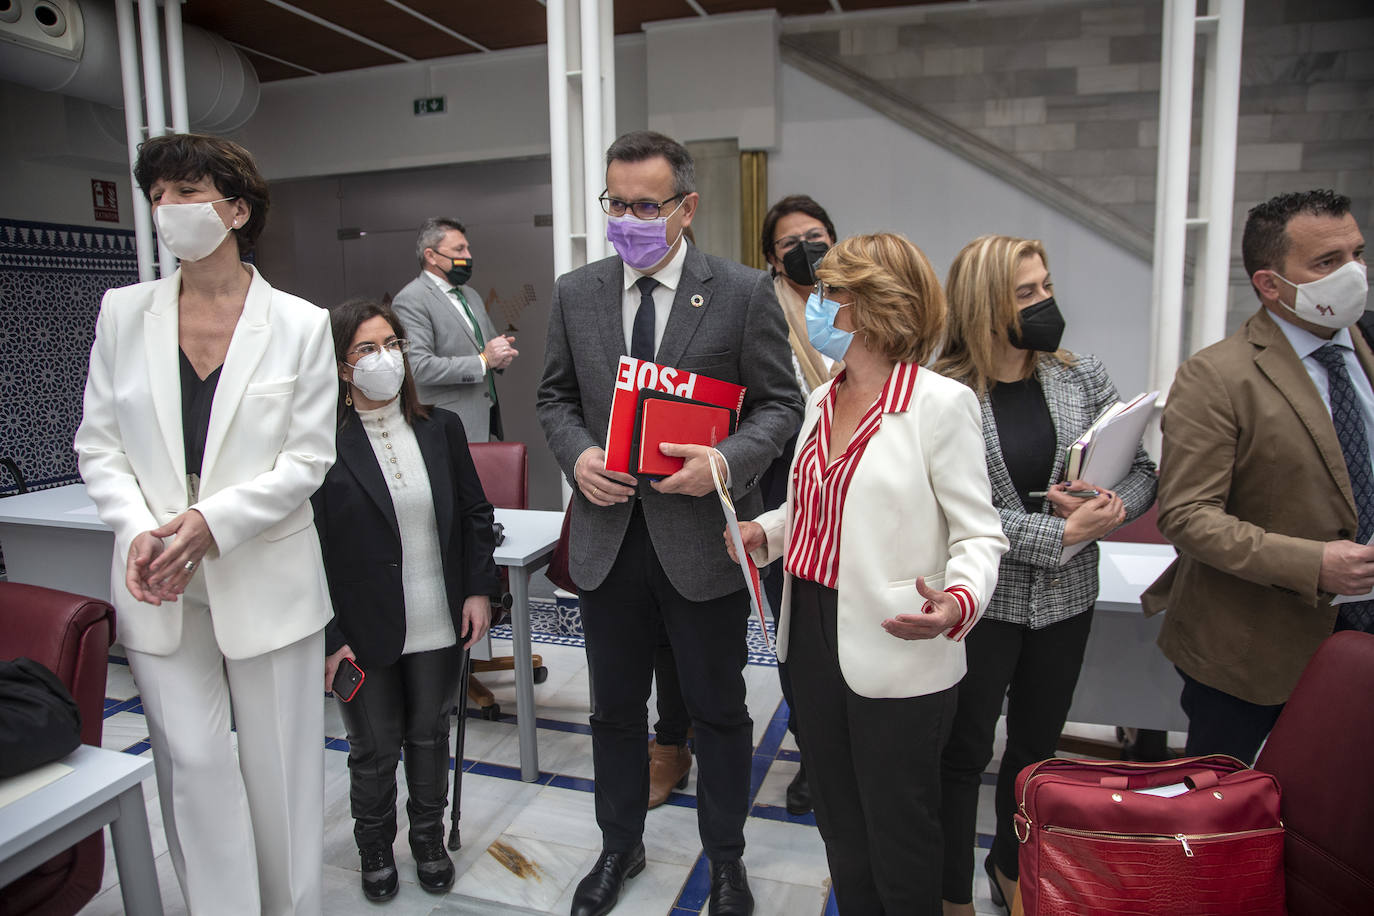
<point>669,765</point>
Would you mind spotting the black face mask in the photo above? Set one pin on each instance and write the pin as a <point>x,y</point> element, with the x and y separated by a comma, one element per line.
<point>460,272</point>
<point>800,262</point>
<point>1042,327</point>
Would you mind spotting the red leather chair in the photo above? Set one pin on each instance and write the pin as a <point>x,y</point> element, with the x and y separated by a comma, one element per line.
<point>1144,530</point>
<point>1322,753</point>
<point>504,470</point>
<point>71,635</point>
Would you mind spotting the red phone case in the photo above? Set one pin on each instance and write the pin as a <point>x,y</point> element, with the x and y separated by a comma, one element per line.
<point>348,680</point>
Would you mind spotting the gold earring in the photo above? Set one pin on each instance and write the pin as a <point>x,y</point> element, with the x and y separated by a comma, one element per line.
<point>348,399</point>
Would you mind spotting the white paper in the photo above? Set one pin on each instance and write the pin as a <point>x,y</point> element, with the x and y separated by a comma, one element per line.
<point>16,787</point>
<point>1170,791</point>
<point>83,510</point>
<point>751,572</point>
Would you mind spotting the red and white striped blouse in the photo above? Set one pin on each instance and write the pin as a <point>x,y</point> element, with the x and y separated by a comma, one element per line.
<point>819,486</point>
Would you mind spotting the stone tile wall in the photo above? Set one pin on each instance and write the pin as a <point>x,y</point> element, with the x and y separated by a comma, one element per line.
<point>1072,88</point>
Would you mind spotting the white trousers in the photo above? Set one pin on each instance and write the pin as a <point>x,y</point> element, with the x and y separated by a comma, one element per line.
<point>246,832</point>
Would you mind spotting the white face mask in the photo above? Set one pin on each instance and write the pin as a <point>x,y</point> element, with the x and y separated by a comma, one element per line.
<point>1335,301</point>
<point>379,375</point>
<point>191,231</point>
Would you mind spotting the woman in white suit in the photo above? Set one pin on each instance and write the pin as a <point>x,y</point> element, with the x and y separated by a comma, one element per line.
<point>890,545</point>
<point>208,422</point>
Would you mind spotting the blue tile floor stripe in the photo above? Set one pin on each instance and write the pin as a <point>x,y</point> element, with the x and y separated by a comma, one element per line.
<point>138,748</point>
<point>831,907</point>
<point>118,660</point>
<point>696,890</point>
<point>114,707</point>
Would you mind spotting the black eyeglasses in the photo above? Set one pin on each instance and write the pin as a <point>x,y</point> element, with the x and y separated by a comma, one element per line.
<point>788,242</point>
<point>824,292</point>
<point>642,209</point>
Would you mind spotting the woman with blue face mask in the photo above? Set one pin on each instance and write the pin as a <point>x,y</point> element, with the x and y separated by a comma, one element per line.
<point>207,425</point>
<point>890,545</point>
<point>1035,400</point>
<point>407,539</point>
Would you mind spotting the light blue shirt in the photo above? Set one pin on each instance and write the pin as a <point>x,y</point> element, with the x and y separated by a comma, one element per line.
<point>1305,343</point>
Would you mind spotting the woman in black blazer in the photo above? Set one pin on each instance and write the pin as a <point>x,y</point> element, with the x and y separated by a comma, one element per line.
<point>407,541</point>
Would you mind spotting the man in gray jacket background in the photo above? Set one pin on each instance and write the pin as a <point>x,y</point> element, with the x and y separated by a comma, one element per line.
<point>646,555</point>
<point>455,351</point>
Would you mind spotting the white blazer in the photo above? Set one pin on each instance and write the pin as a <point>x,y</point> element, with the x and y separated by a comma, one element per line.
<point>270,442</point>
<point>919,504</point>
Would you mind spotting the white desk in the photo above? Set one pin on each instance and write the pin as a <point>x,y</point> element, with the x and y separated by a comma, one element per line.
<point>531,535</point>
<point>105,787</point>
<point>1126,680</point>
<point>54,538</point>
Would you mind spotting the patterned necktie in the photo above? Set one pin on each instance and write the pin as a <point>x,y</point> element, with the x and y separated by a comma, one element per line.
<point>1349,421</point>
<point>642,332</point>
<point>481,338</point>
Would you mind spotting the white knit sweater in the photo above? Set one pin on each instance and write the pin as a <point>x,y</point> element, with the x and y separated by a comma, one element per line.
<point>428,623</point>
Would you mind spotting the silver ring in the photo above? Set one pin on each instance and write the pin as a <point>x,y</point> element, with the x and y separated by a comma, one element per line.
<point>190,566</point>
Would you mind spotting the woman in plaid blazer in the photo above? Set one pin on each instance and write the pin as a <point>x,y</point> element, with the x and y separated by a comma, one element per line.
<point>1036,400</point>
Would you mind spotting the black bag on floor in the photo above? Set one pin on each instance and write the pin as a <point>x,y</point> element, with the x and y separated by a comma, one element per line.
<point>39,721</point>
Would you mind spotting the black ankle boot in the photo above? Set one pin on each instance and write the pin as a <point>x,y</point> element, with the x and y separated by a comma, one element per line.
<point>433,867</point>
<point>379,873</point>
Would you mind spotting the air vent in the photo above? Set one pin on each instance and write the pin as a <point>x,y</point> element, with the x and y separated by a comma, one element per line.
<point>54,26</point>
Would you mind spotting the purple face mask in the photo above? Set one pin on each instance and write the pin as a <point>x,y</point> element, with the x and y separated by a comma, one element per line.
<point>641,243</point>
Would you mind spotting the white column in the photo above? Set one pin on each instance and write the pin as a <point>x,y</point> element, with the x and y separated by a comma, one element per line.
<point>176,67</point>
<point>152,96</point>
<point>133,132</point>
<point>593,151</point>
<point>560,163</point>
<point>1171,196</point>
<point>1217,169</point>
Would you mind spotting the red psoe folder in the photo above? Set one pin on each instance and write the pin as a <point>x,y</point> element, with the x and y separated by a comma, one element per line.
<point>666,418</point>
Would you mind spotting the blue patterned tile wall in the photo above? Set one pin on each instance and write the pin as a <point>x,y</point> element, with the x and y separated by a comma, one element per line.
<point>51,280</point>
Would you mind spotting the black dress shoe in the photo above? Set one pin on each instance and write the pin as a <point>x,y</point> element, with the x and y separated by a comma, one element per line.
<point>597,893</point>
<point>799,793</point>
<point>379,873</point>
<point>730,889</point>
<point>433,867</point>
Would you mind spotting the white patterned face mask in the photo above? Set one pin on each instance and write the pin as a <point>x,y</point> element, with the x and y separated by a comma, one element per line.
<point>191,231</point>
<point>1335,301</point>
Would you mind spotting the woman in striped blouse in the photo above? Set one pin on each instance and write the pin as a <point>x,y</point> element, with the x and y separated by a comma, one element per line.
<point>890,546</point>
<point>1036,400</point>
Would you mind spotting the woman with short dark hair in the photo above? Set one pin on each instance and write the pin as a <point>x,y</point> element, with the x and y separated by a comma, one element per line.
<point>407,539</point>
<point>208,423</point>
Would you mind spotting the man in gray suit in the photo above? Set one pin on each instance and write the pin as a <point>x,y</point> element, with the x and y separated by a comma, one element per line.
<point>647,555</point>
<point>454,350</point>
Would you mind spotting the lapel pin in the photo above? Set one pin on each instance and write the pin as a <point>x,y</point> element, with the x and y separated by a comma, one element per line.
<point>697,301</point>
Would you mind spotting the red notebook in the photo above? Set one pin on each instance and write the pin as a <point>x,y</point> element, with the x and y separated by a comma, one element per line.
<point>633,375</point>
<point>668,418</point>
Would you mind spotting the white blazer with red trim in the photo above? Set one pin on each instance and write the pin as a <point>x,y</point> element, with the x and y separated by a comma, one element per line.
<point>919,504</point>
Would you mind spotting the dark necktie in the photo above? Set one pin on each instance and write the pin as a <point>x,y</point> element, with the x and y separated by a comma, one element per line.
<point>481,340</point>
<point>642,332</point>
<point>1349,422</point>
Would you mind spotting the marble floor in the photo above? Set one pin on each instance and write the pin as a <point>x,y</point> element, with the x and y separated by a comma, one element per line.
<point>525,845</point>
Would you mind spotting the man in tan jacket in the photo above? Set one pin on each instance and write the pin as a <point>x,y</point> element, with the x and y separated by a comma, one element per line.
<point>1269,500</point>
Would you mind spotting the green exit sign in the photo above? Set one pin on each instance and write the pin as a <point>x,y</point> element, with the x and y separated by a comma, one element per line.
<point>429,106</point>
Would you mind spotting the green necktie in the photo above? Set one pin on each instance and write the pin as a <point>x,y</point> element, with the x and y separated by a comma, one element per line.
<point>481,340</point>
